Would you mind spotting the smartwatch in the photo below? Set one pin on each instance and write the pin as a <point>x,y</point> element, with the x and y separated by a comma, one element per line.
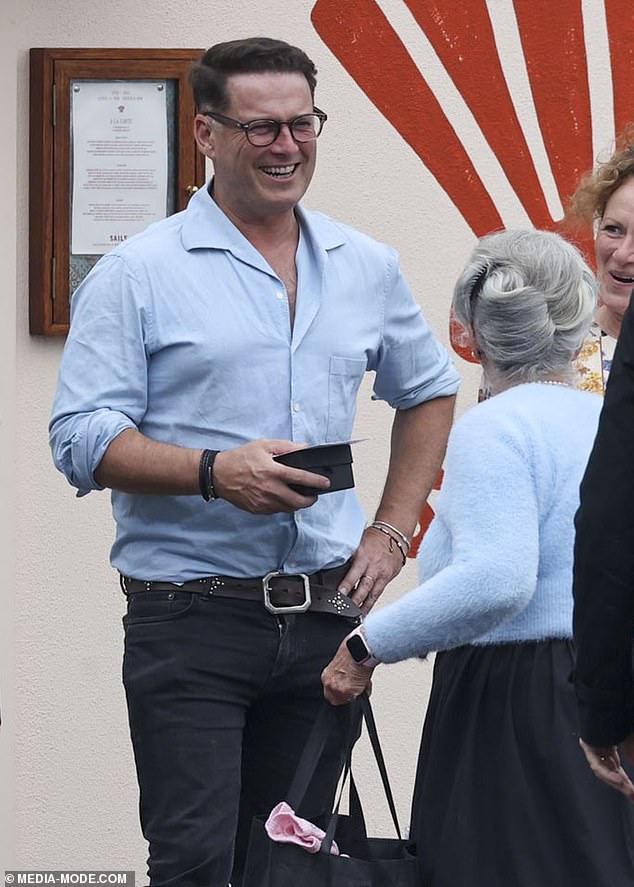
<point>359,649</point>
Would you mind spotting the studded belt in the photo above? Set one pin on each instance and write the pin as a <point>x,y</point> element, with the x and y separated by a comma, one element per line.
<point>281,593</point>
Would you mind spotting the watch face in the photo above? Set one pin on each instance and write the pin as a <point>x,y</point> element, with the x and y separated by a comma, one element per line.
<point>357,648</point>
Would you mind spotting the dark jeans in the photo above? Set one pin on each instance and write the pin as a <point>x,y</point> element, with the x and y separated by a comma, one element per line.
<point>221,697</point>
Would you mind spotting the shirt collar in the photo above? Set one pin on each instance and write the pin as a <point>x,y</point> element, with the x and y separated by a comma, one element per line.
<point>206,226</point>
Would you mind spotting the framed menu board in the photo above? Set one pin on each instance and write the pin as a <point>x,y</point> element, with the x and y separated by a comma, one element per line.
<point>111,150</point>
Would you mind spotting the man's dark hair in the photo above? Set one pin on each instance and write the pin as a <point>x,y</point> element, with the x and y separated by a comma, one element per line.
<point>208,76</point>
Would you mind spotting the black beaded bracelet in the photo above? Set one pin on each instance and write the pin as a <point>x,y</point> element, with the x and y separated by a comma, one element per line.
<point>205,474</point>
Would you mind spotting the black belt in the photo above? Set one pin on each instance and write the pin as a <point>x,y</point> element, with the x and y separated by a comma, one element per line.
<point>281,593</point>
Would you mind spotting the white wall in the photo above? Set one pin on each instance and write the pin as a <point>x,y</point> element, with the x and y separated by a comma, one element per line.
<point>75,790</point>
<point>8,250</point>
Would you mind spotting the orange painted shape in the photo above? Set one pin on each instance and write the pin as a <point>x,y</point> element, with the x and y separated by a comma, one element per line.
<point>457,339</point>
<point>553,41</point>
<point>463,38</point>
<point>363,40</point>
<point>426,517</point>
<point>361,37</point>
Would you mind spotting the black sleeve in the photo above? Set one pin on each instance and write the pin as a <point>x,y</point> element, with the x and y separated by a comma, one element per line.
<point>603,588</point>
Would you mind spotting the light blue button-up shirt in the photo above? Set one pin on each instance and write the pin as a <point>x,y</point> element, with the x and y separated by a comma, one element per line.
<point>183,332</point>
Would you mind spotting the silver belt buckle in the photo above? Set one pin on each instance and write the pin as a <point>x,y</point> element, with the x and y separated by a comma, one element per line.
<point>293,608</point>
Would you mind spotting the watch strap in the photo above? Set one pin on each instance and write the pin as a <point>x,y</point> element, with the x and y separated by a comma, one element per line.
<point>354,640</point>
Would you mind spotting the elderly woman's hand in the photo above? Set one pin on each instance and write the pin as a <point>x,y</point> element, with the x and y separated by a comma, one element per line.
<point>343,678</point>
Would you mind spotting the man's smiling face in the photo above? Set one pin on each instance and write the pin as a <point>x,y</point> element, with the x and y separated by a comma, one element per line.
<point>254,183</point>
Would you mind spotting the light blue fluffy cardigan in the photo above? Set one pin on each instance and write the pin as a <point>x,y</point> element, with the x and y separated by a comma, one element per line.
<point>496,563</point>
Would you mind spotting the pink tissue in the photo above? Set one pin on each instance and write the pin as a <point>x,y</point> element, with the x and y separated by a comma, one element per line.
<point>283,825</point>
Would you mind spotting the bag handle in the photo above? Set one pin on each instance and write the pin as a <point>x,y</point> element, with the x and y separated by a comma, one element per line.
<point>356,810</point>
<point>328,719</point>
<point>370,723</point>
<point>356,816</point>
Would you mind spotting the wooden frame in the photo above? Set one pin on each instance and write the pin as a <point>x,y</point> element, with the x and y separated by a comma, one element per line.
<point>52,73</point>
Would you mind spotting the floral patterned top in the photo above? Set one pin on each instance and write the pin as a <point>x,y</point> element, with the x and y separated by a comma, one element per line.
<point>594,361</point>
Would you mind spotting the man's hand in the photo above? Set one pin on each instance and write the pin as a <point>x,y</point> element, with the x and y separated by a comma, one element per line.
<point>248,477</point>
<point>344,679</point>
<point>605,763</point>
<point>419,438</point>
<point>374,564</point>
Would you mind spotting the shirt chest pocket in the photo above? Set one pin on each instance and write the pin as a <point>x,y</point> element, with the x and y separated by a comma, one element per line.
<point>344,378</point>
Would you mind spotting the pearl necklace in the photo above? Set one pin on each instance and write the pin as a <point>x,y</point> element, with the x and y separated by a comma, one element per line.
<point>495,391</point>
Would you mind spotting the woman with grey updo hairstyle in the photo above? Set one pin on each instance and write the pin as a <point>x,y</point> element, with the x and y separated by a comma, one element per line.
<point>527,299</point>
<point>503,797</point>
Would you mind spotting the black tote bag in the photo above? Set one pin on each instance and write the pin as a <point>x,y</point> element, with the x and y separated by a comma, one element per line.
<point>368,862</point>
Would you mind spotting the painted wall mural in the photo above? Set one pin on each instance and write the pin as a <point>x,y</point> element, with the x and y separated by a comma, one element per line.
<point>373,40</point>
<point>365,39</point>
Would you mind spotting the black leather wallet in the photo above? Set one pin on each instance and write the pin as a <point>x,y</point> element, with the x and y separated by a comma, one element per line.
<point>333,461</point>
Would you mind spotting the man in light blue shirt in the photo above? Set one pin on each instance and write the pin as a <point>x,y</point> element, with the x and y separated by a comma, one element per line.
<point>236,330</point>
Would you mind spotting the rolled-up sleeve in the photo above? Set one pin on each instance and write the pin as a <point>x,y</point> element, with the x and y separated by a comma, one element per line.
<point>102,388</point>
<point>413,366</point>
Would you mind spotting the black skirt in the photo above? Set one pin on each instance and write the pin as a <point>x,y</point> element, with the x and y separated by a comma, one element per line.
<point>503,795</point>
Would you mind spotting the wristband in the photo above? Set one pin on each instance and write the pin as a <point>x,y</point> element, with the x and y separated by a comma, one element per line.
<point>205,474</point>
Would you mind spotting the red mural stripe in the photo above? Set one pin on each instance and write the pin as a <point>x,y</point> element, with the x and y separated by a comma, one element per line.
<point>425,518</point>
<point>553,44</point>
<point>463,38</point>
<point>619,16</point>
<point>360,36</point>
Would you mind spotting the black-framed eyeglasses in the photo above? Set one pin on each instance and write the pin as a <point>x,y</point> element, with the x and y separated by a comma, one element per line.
<point>260,133</point>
